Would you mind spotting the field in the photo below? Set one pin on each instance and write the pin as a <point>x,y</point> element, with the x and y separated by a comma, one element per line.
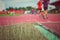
<point>26,30</point>
<point>10,15</point>
<point>22,31</point>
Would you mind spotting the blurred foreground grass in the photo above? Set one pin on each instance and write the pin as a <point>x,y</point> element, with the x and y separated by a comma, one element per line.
<point>24,31</point>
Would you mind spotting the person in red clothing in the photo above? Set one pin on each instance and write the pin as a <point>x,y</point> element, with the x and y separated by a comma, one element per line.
<point>39,6</point>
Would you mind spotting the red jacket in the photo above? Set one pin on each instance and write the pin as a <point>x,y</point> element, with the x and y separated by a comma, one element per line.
<point>39,5</point>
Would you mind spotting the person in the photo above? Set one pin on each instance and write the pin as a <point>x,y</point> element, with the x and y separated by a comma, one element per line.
<point>45,6</point>
<point>39,6</point>
<point>32,10</point>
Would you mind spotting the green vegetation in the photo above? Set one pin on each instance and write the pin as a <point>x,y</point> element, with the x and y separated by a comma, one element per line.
<point>10,15</point>
<point>22,31</point>
<point>19,8</point>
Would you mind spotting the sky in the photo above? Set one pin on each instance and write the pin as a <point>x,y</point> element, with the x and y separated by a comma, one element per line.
<point>19,3</point>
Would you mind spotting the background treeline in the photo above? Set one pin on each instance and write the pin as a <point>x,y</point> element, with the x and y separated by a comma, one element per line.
<point>19,8</point>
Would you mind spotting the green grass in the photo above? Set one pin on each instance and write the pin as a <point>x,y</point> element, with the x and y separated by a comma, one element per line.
<point>10,15</point>
<point>23,31</point>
